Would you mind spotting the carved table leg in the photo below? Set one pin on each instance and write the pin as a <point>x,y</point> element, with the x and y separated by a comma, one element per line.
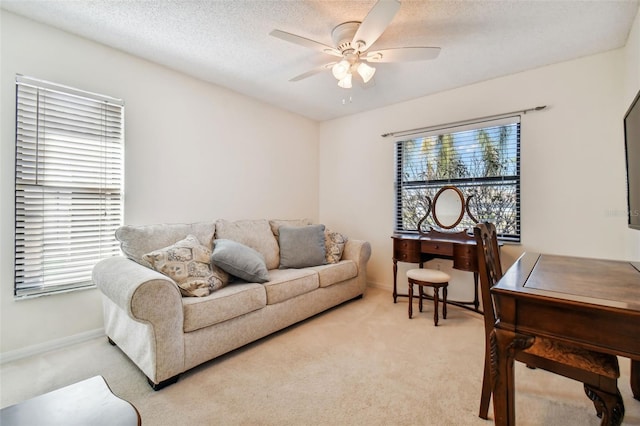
<point>395,277</point>
<point>476,299</point>
<point>444,302</point>
<point>504,346</point>
<point>436,297</point>
<point>635,378</point>
<point>410,300</point>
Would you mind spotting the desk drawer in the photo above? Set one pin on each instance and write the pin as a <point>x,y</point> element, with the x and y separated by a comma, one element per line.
<point>437,248</point>
<point>406,251</point>
<point>465,257</point>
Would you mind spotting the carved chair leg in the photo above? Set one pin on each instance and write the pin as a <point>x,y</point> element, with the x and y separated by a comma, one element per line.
<point>609,407</point>
<point>421,297</point>
<point>436,297</point>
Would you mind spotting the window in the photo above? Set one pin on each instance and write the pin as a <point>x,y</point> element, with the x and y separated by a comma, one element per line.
<point>68,185</point>
<point>482,159</point>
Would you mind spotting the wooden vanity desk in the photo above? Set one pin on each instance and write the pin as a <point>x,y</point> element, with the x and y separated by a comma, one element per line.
<point>457,246</point>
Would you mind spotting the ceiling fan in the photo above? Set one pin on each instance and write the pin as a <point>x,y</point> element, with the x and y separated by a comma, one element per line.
<point>353,41</point>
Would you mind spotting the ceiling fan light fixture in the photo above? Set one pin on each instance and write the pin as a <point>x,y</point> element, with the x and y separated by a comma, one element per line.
<point>341,69</point>
<point>366,71</point>
<point>345,82</point>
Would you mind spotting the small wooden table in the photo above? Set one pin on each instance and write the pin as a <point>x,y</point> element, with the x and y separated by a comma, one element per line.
<point>89,402</point>
<point>588,302</point>
<point>459,247</point>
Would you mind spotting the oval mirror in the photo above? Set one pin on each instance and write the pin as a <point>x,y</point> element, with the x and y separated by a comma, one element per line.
<point>448,207</point>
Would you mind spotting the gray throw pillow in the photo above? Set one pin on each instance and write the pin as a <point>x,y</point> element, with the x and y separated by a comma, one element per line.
<point>302,246</point>
<point>239,260</point>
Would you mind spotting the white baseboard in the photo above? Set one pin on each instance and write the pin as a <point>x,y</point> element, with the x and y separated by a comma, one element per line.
<point>379,285</point>
<point>50,345</point>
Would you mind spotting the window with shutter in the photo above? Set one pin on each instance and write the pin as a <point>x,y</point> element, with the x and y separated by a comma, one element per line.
<point>482,159</point>
<point>68,185</point>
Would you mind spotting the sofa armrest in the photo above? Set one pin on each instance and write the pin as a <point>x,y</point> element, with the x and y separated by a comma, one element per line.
<point>143,316</point>
<point>358,251</point>
<point>128,284</point>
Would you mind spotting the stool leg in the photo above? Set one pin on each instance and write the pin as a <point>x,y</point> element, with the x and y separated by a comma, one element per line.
<point>421,292</point>
<point>436,296</point>
<point>410,300</point>
<point>444,302</point>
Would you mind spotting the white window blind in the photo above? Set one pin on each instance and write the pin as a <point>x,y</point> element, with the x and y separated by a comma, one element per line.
<point>482,159</point>
<point>68,185</point>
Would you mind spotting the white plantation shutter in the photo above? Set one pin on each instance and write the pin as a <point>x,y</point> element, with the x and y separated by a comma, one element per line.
<point>68,185</point>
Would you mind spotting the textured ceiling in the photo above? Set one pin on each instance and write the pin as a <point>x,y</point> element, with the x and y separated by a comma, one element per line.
<point>228,42</point>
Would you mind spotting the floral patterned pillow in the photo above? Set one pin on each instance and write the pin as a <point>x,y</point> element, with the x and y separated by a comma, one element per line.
<point>187,263</point>
<point>334,245</point>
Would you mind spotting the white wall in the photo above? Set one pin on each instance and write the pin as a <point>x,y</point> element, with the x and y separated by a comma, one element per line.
<point>573,169</point>
<point>194,152</point>
<point>631,88</point>
<point>234,156</point>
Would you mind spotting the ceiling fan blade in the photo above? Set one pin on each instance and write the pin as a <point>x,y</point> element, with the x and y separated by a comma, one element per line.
<point>377,20</point>
<point>305,42</point>
<point>402,54</point>
<point>313,71</point>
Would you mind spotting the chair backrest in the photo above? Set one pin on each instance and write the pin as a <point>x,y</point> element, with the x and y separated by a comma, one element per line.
<point>490,269</point>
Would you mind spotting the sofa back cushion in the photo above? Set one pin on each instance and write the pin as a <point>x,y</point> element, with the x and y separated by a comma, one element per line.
<point>256,234</point>
<point>277,223</point>
<point>136,241</point>
<point>302,246</point>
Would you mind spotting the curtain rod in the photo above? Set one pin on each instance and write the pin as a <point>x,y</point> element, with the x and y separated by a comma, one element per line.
<point>457,123</point>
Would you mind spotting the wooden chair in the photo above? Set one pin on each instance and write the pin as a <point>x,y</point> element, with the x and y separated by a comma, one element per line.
<point>428,278</point>
<point>598,371</point>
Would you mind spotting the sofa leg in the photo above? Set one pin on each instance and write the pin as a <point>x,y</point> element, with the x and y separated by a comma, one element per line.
<point>164,383</point>
<point>111,342</point>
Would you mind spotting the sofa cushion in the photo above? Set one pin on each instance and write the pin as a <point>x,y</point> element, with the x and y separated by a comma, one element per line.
<point>277,223</point>
<point>239,260</point>
<point>288,283</point>
<point>336,272</point>
<point>232,301</point>
<point>334,245</point>
<point>302,246</point>
<point>253,233</point>
<point>136,241</point>
<point>187,263</point>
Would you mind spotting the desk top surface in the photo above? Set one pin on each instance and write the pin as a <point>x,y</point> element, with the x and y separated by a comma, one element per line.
<point>89,402</point>
<point>602,282</point>
<point>457,237</point>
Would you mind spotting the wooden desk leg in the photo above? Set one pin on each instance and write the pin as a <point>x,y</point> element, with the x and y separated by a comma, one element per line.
<point>504,345</point>
<point>395,279</point>
<point>635,378</point>
<point>476,299</point>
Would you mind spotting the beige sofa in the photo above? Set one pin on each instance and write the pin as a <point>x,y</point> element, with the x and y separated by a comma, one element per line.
<point>165,333</point>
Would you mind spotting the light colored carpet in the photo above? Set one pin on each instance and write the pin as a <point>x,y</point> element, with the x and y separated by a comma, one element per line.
<point>363,363</point>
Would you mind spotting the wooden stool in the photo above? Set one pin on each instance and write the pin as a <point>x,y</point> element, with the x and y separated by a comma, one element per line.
<point>431,278</point>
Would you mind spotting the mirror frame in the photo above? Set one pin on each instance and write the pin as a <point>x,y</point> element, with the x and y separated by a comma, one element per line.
<point>435,206</point>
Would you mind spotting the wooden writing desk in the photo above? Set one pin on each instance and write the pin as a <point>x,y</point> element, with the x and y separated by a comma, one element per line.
<point>459,247</point>
<point>590,302</point>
